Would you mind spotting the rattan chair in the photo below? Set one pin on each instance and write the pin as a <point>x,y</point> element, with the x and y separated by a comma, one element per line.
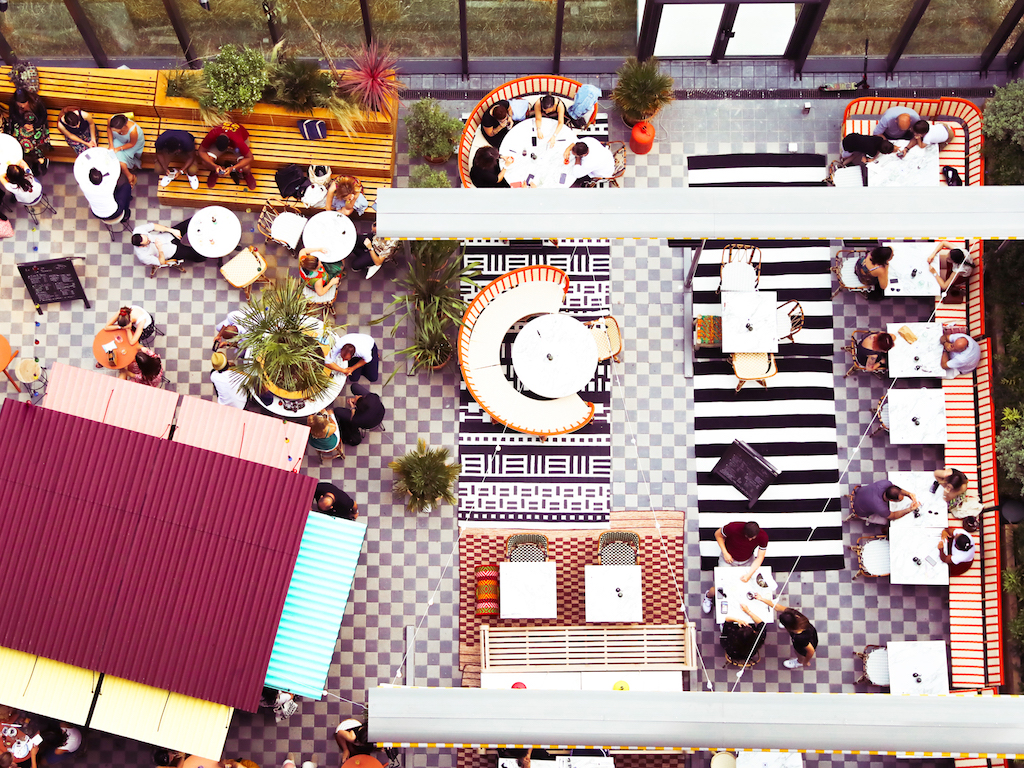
<point>618,150</point>
<point>608,337</point>
<point>880,372</point>
<point>853,515</point>
<point>875,659</point>
<point>741,267</point>
<point>281,222</point>
<point>789,318</point>
<point>247,268</point>
<point>754,661</point>
<point>753,366</point>
<point>320,305</point>
<point>526,548</point>
<point>881,415</point>
<point>618,548</point>
<point>843,269</point>
<point>872,556</point>
<point>172,264</point>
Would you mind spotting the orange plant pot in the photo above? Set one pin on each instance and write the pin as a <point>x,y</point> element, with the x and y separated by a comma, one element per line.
<point>642,138</point>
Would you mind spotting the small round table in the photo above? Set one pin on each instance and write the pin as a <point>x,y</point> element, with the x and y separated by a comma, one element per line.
<point>10,149</point>
<point>334,232</point>
<point>292,409</point>
<point>214,232</point>
<point>554,355</point>
<point>124,353</point>
<point>548,169</point>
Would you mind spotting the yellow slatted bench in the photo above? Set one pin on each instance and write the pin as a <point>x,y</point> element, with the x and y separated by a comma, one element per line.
<point>963,152</point>
<point>64,153</point>
<point>95,90</point>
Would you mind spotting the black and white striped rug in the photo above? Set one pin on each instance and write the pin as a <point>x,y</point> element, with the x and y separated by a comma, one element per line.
<point>757,170</point>
<point>564,481</point>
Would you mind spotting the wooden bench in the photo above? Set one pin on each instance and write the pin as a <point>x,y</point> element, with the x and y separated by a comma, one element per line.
<point>963,152</point>
<point>95,90</point>
<point>588,648</point>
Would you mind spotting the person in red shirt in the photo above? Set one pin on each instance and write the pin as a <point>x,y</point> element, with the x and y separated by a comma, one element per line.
<point>225,152</point>
<point>743,545</point>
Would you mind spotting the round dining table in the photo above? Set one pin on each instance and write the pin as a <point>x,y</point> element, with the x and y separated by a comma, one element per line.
<point>299,408</point>
<point>534,162</point>
<point>334,232</point>
<point>123,352</point>
<point>214,232</point>
<point>10,149</point>
<point>554,355</point>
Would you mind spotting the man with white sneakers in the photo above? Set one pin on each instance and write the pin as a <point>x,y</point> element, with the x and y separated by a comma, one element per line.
<point>179,147</point>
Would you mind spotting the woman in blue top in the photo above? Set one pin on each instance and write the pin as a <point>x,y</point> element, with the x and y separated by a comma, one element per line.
<point>126,140</point>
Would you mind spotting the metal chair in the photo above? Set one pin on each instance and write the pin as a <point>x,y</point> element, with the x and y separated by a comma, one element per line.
<point>741,267</point>
<point>618,548</point>
<point>526,548</point>
<point>122,220</point>
<point>281,222</point>
<point>753,366</point>
<point>42,204</point>
<point>881,415</point>
<point>8,358</point>
<point>843,269</point>
<point>178,265</point>
<point>880,372</point>
<point>754,661</point>
<point>247,268</point>
<point>875,659</point>
<point>872,556</point>
<point>337,452</point>
<point>618,150</point>
<point>608,337</point>
<point>789,318</point>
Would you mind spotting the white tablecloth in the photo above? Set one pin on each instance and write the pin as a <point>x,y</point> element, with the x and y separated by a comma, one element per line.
<point>924,658</point>
<point>548,168</point>
<point>554,355</point>
<point>333,231</point>
<point>908,270</point>
<point>748,321</point>
<point>10,149</point>
<point>934,509</point>
<point>927,406</point>
<point>613,593</point>
<point>214,232</point>
<point>527,590</point>
<point>727,579</point>
<point>909,542</point>
<point>927,350</point>
<point>920,168</point>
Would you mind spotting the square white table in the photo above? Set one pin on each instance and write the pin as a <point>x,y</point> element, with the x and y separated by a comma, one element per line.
<point>527,590</point>
<point>927,349</point>
<point>908,270</point>
<point>749,321</point>
<point>909,542</point>
<point>934,509</point>
<point>727,579</point>
<point>534,681</point>
<point>920,168</point>
<point>925,658</point>
<point>917,416</point>
<point>613,593</point>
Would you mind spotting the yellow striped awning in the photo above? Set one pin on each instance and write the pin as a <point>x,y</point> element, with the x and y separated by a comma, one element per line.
<point>51,688</point>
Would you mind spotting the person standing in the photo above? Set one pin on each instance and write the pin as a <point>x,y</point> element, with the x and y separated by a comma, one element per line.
<point>743,545</point>
<point>801,632</point>
<point>333,501</point>
<point>26,116</point>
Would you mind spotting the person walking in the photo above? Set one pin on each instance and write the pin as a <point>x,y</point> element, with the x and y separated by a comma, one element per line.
<point>801,632</point>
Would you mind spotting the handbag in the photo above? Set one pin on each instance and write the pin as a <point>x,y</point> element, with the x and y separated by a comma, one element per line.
<point>6,229</point>
<point>313,129</point>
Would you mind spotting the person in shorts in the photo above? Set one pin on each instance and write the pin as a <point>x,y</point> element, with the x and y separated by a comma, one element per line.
<point>743,545</point>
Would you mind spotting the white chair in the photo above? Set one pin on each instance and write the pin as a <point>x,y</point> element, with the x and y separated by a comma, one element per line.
<point>844,271</point>
<point>876,665</point>
<point>738,276</point>
<point>323,303</point>
<point>287,229</point>
<point>872,555</point>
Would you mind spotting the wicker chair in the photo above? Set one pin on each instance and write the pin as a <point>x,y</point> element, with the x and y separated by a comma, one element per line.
<point>247,268</point>
<point>789,318</point>
<point>618,548</point>
<point>875,659</point>
<point>753,366</point>
<point>853,515</point>
<point>880,372</point>
<point>754,661</point>
<point>281,222</point>
<point>608,337</point>
<point>741,267</point>
<point>846,259</point>
<point>872,556</point>
<point>320,305</point>
<point>618,150</point>
<point>526,548</point>
<point>881,415</point>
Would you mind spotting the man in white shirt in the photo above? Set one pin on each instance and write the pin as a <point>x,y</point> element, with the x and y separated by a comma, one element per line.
<point>960,353</point>
<point>589,158</point>
<point>925,134</point>
<point>97,172</point>
<point>355,355</point>
<point>228,383</point>
<point>157,245</point>
<point>228,328</point>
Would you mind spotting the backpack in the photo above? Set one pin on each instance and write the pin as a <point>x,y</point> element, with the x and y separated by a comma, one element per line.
<point>292,181</point>
<point>313,129</point>
<point>581,107</point>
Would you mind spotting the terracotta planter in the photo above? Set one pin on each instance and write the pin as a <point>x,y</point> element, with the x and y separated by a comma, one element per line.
<point>438,160</point>
<point>629,122</point>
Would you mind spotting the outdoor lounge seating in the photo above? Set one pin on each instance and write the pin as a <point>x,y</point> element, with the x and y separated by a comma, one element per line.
<point>526,548</point>
<point>618,548</point>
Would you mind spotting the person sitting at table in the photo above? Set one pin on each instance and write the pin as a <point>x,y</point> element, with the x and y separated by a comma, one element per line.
<point>323,431</point>
<point>225,151</point>
<point>26,121</point>
<point>742,545</point>
<point>872,269</point>
<point>495,123</point>
<point>873,351</point>
<point>317,275</point>
<point>896,123</point>
<point>960,353</point>
<point>370,254</point>
<point>156,245</point>
<point>20,182</point>
<point>956,549</point>
<point>360,352</point>
<point>334,502</point>
<point>589,159</point>
<point>126,140</point>
<point>363,411</point>
<point>554,108</point>
<point>226,382</point>
<point>740,639</point>
<point>178,147</point>
<point>228,328</point>
<point>486,171</point>
<point>957,267</point>
<point>351,735</point>
<point>78,128</point>
<point>144,369</point>
<point>801,632</point>
<point>954,484</point>
<point>859,149</point>
<point>925,134</point>
<point>141,325</point>
<point>871,502</point>
<point>345,194</point>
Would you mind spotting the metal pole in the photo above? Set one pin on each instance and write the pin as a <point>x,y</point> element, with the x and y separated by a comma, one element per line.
<point>900,43</point>
<point>804,32</point>
<point>725,33</point>
<point>464,38</point>
<point>649,26</point>
<point>1001,35</point>
<point>6,52</point>
<point>87,32</point>
<point>181,32</point>
<point>559,21</point>
<point>364,9</point>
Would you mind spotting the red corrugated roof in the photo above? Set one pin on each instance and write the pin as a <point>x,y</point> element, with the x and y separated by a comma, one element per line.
<point>151,560</point>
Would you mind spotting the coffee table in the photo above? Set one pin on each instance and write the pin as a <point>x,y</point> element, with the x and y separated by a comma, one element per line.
<point>334,232</point>
<point>214,232</point>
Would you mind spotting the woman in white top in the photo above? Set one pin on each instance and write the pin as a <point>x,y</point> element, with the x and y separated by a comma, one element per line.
<point>140,323</point>
<point>19,181</point>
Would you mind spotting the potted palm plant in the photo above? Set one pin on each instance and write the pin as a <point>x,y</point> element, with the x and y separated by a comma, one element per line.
<point>432,131</point>
<point>423,477</point>
<point>280,349</point>
<point>642,89</point>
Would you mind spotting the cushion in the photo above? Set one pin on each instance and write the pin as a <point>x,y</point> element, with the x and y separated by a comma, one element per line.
<point>708,331</point>
<point>876,666</point>
<point>875,556</point>
<point>287,228</point>
<point>618,553</point>
<point>487,589</point>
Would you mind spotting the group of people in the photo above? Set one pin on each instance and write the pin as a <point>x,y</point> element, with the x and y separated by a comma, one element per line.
<point>31,742</point>
<point>895,124</point>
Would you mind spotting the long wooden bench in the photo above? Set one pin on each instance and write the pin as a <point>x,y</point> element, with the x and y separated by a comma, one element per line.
<point>963,152</point>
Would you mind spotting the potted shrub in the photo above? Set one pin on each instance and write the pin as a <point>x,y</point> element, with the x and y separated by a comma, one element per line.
<point>641,90</point>
<point>423,177</point>
<point>423,477</point>
<point>301,86</point>
<point>235,78</point>
<point>432,131</point>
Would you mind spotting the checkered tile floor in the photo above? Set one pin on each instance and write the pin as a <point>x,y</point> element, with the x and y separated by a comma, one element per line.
<point>407,556</point>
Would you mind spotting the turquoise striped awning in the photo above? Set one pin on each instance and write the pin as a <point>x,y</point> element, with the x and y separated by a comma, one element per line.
<point>315,605</point>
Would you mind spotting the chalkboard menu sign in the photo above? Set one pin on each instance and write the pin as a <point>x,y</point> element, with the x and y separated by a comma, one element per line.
<point>52,280</point>
<point>747,470</point>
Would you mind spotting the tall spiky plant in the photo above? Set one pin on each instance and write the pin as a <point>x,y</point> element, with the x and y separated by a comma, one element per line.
<point>371,80</point>
<point>424,477</point>
<point>276,346</point>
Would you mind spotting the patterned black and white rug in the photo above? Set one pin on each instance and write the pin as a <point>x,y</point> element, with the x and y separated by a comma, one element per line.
<point>514,480</point>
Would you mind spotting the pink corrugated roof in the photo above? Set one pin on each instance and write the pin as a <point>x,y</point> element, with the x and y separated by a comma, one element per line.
<point>264,439</point>
<point>104,397</point>
<point>151,560</point>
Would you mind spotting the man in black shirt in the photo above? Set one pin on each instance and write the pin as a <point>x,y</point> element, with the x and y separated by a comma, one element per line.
<point>334,502</point>
<point>364,411</point>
